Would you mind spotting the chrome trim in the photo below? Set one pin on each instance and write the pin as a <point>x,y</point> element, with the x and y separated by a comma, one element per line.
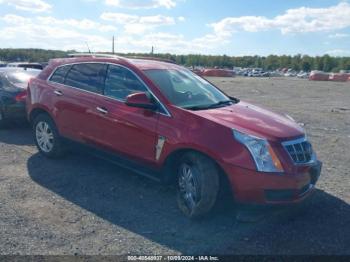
<point>58,93</point>
<point>311,186</point>
<point>159,146</point>
<point>102,110</point>
<point>299,141</point>
<point>167,113</point>
<point>295,141</point>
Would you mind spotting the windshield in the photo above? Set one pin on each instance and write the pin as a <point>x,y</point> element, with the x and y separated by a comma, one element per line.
<point>187,90</point>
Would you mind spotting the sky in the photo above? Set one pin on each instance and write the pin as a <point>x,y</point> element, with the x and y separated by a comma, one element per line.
<point>231,27</point>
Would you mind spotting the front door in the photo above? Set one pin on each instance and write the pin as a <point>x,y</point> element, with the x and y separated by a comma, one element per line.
<point>127,130</point>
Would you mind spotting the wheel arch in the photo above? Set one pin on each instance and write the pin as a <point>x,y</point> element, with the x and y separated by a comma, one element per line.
<point>37,111</point>
<point>170,162</point>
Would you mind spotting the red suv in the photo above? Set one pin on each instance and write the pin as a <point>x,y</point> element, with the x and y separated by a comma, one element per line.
<point>164,121</point>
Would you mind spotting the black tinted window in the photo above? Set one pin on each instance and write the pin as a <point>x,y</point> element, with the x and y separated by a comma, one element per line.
<point>89,77</point>
<point>34,66</point>
<point>60,74</point>
<point>121,82</point>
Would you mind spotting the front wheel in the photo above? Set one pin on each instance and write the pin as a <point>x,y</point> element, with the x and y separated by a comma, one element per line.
<point>198,184</point>
<point>46,137</point>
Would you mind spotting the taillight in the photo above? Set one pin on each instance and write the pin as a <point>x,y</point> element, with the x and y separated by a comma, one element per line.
<point>21,97</point>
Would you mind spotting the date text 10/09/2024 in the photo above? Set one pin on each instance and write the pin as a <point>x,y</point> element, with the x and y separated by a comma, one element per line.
<point>173,258</point>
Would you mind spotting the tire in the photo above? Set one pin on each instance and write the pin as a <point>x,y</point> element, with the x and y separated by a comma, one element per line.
<point>46,137</point>
<point>2,119</point>
<point>198,185</point>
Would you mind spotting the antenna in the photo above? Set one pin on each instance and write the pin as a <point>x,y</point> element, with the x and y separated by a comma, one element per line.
<point>88,47</point>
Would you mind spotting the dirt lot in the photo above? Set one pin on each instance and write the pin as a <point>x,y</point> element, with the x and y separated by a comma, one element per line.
<point>83,205</point>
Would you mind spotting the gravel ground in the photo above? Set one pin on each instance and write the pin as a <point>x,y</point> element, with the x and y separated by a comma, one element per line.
<point>83,205</point>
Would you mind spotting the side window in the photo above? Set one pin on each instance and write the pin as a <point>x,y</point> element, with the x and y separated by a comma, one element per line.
<point>60,74</point>
<point>121,82</point>
<point>89,77</point>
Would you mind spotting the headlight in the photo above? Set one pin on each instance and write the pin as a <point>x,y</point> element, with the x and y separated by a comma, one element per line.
<point>265,158</point>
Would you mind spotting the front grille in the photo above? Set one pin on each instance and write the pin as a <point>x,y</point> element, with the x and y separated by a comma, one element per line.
<point>299,150</point>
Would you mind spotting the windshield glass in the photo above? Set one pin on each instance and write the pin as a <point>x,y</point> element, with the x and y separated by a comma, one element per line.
<point>21,77</point>
<point>187,90</point>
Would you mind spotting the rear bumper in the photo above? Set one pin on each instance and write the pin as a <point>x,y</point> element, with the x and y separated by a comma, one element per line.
<point>252,187</point>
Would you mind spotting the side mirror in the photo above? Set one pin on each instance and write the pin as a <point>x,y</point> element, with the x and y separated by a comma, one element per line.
<point>140,100</point>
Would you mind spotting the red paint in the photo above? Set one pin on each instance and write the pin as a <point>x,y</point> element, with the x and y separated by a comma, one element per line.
<point>134,131</point>
<point>139,100</point>
<point>218,73</point>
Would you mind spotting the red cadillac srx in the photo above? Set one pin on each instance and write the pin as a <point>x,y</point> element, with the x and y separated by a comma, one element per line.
<point>163,121</point>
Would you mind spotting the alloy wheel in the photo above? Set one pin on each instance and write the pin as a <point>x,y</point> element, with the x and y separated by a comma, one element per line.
<point>44,136</point>
<point>188,186</point>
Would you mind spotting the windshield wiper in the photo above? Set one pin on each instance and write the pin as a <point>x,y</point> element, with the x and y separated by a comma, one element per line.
<point>220,103</point>
<point>216,105</point>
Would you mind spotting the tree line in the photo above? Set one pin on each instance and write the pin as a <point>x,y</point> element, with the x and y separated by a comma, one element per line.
<point>272,62</point>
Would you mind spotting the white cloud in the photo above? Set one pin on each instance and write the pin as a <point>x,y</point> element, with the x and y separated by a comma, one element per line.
<point>83,24</point>
<point>142,4</point>
<point>52,33</point>
<point>28,5</point>
<point>50,37</point>
<point>15,19</point>
<point>338,52</point>
<point>134,24</point>
<point>339,35</point>
<point>299,20</point>
<point>66,34</point>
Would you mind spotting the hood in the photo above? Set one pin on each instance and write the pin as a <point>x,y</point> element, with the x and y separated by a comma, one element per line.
<point>254,120</point>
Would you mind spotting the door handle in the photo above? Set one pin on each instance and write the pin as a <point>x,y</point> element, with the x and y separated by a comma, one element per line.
<point>102,110</point>
<point>58,93</point>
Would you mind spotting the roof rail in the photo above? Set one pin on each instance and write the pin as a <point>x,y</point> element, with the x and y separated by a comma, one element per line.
<point>93,55</point>
<point>152,58</point>
<point>118,56</point>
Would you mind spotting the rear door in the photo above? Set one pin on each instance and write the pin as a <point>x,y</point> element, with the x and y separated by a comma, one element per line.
<point>75,99</point>
<point>123,129</point>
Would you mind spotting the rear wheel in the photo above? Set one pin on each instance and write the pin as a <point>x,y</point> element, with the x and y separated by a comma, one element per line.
<point>198,184</point>
<point>46,137</point>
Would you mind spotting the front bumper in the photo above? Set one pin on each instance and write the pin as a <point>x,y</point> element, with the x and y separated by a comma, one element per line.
<point>254,187</point>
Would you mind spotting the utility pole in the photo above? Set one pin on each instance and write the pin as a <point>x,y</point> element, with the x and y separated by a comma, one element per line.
<point>113,45</point>
<point>88,47</point>
<point>152,51</point>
